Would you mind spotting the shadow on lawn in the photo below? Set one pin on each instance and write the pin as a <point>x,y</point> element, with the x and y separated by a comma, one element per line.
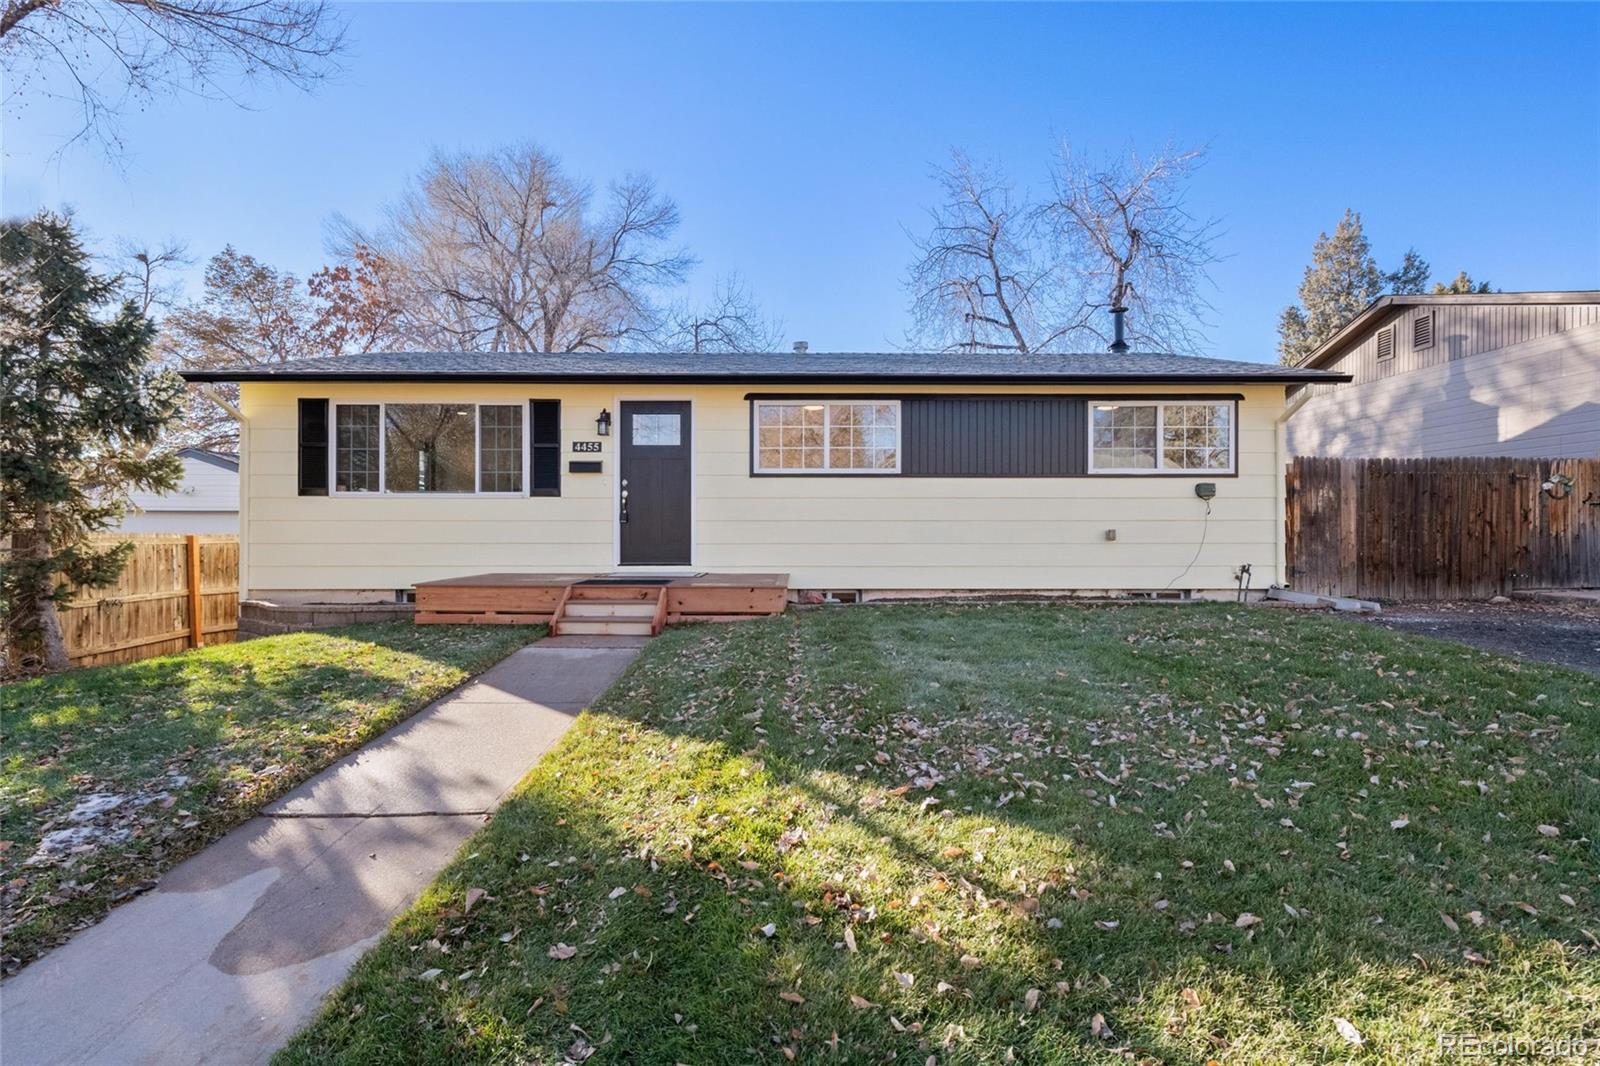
<point>194,744</point>
<point>779,725</point>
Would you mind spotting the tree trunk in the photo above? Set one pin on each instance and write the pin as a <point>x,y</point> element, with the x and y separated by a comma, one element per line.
<point>54,642</point>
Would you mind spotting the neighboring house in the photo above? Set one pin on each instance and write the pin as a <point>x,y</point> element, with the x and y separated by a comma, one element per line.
<point>1492,374</point>
<point>205,501</point>
<point>898,473</point>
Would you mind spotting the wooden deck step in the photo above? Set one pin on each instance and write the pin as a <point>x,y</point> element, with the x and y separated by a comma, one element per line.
<point>613,628</point>
<point>615,611</point>
<point>629,609</point>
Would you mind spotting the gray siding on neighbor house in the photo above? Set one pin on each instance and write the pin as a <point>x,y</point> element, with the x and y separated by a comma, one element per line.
<point>1494,384</point>
<point>1459,331</point>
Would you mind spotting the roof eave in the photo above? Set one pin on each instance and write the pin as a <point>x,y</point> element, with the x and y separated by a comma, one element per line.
<point>1301,377</point>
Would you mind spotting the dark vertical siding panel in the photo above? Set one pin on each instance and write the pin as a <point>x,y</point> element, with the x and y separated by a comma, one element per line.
<point>993,437</point>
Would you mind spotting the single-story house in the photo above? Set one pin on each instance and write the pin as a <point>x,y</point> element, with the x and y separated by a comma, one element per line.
<point>1512,374</point>
<point>901,473</point>
<point>205,501</point>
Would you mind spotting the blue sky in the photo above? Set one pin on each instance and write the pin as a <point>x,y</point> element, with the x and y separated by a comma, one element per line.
<point>798,139</point>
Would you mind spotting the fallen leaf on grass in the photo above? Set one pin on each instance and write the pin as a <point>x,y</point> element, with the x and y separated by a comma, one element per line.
<point>792,997</point>
<point>906,980</point>
<point>1246,920</point>
<point>970,962</point>
<point>618,892</point>
<point>1549,831</point>
<point>562,951</point>
<point>1191,999</point>
<point>428,975</point>
<point>1449,922</point>
<point>849,938</point>
<point>473,896</point>
<point>1349,1032</point>
<point>1400,822</point>
<point>1031,999</point>
<point>1099,1027</point>
<point>769,930</point>
<point>860,1002</point>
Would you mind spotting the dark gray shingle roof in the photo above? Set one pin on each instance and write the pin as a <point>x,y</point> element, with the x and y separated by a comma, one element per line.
<point>792,367</point>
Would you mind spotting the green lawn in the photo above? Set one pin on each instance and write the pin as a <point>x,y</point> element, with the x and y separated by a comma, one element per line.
<point>190,745</point>
<point>1143,833</point>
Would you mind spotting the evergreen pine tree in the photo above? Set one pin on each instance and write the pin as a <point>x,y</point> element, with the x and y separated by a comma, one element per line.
<point>1411,278</point>
<point>82,409</point>
<point>1342,279</point>
<point>1462,285</point>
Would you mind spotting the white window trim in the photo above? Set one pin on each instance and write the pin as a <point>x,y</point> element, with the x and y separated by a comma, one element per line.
<point>383,438</point>
<point>1160,469</point>
<point>827,450</point>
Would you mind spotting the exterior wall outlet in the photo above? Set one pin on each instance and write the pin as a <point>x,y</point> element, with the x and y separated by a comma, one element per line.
<point>1205,490</point>
<point>1111,534</point>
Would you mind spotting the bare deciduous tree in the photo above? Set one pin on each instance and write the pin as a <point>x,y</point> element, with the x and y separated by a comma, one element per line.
<point>503,251</point>
<point>1127,241</point>
<point>146,273</point>
<point>731,322</point>
<point>1000,273</point>
<point>159,47</point>
<point>981,282</point>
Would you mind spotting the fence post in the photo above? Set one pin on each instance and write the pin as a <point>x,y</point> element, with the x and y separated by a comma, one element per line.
<point>196,631</point>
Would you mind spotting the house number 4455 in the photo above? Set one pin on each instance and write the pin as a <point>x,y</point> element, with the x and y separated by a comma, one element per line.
<point>585,445</point>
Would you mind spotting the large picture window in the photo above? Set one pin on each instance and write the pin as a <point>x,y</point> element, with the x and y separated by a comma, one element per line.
<point>452,448</point>
<point>1161,438</point>
<point>827,436</point>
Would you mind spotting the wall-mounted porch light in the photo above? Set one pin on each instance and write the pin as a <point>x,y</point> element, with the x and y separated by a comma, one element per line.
<point>602,425</point>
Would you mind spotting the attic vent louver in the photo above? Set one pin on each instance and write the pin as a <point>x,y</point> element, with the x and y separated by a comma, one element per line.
<point>1386,343</point>
<point>1422,331</point>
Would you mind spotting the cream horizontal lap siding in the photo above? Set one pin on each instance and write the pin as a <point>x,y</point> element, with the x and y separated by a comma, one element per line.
<point>850,532</point>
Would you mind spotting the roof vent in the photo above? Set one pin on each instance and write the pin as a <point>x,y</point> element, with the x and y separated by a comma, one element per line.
<point>1422,331</point>
<point>802,347</point>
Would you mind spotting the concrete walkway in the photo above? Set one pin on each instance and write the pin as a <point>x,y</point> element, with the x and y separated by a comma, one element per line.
<point>235,950</point>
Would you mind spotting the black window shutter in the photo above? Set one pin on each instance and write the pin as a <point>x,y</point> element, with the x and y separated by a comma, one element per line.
<point>544,453</point>
<point>313,447</point>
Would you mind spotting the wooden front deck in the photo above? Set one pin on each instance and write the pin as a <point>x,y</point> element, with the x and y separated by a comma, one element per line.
<point>530,598</point>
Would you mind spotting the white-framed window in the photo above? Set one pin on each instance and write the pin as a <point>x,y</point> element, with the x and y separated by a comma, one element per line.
<point>827,436</point>
<point>451,449</point>
<point>1161,437</point>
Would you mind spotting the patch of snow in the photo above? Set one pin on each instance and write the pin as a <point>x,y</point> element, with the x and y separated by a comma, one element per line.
<point>94,805</point>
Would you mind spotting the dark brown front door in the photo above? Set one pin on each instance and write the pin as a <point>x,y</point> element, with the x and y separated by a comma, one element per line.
<point>654,499</point>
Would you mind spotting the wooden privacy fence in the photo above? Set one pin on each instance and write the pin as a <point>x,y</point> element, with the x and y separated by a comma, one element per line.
<point>178,591</point>
<point>1435,529</point>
